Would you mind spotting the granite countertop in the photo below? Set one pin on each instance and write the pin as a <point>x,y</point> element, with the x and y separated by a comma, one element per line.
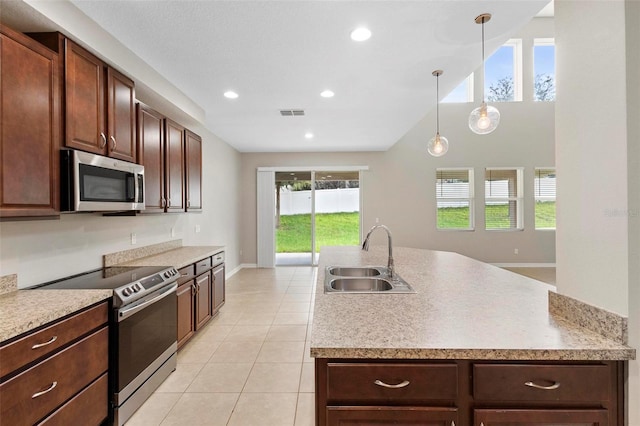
<point>177,257</point>
<point>25,310</point>
<point>462,309</point>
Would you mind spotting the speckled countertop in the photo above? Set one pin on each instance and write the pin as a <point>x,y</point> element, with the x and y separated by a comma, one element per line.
<point>462,309</point>
<point>25,310</point>
<point>178,257</point>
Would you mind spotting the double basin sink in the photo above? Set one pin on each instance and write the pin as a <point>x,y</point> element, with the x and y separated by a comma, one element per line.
<point>363,279</point>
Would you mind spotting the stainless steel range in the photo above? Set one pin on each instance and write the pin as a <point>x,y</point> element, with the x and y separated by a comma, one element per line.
<point>142,328</point>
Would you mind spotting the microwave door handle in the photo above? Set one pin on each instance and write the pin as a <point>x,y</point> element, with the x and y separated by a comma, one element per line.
<point>126,313</point>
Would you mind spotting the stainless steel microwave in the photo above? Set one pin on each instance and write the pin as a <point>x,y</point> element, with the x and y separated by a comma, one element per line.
<point>94,183</point>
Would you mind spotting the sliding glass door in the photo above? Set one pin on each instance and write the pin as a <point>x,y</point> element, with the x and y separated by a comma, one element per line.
<point>314,209</point>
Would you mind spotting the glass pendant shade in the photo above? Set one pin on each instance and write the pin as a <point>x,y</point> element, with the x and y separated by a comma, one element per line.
<point>484,119</point>
<point>438,145</point>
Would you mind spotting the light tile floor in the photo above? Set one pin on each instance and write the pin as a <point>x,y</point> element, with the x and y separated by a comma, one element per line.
<point>248,366</point>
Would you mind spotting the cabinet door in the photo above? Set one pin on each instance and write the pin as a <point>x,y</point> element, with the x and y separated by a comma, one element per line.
<point>84,101</point>
<point>121,116</point>
<point>399,416</point>
<point>186,312</point>
<point>174,166</point>
<point>203,299</point>
<point>193,163</point>
<point>29,127</point>
<point>151,155</point>
<point>218,288</point>
<point>502,417</point>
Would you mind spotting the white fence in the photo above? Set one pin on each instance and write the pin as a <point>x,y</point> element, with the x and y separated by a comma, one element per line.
<point>327,201</point>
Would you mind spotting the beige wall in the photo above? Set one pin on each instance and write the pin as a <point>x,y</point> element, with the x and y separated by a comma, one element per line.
<point>399,187</point>
<point>598,239</point>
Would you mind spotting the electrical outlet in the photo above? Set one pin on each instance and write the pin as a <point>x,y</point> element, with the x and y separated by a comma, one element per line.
<point>133,238</point>
<point>197,228</point>
<point>173,231</point>
<point>515,251</point>
<point>377,220</point>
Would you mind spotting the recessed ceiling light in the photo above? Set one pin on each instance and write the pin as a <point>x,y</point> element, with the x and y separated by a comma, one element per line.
<point>327,94</point>
<point>308,135</point>
<point>230,94</point>
<point>360,34</point>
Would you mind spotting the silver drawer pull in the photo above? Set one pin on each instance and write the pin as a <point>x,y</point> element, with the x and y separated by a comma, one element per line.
<point>39,345</point>
<point>37,394</point>
<point>555,385</point>
<point>386,385</point>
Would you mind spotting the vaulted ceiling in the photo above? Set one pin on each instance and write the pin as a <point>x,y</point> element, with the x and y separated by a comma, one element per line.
<point>280,55</point>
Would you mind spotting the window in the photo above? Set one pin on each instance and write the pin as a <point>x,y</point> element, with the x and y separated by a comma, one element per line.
<point>503,198</point>
<point>462,93</point>
<point>454,199</point>
<point>503,73</point>
<point>544,188</point>
<point>544,70</point>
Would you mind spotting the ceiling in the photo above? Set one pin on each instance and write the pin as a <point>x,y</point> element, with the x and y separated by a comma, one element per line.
<point>282,54</point>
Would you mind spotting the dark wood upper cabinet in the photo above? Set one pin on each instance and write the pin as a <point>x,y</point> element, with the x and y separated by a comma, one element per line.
<point>193,167</point>
<point>150,149</point>
<point>99,102</point>
<point>121,116</point>
<point>29,127</point>
<point>174,166</point>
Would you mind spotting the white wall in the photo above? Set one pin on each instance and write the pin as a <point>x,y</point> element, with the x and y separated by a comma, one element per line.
<point>43,250</point>
<point>598,238</point>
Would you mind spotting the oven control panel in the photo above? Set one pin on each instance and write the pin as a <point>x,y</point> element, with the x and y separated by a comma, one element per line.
<point>135,290</point>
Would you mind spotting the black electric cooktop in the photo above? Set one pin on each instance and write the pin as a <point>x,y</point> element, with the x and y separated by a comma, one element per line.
<point>104,279</point>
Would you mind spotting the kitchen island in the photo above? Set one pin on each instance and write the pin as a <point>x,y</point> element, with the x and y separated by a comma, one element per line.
<point>461,349</point>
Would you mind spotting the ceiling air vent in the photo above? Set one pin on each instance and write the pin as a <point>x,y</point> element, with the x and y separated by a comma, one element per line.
<point>291,112</point>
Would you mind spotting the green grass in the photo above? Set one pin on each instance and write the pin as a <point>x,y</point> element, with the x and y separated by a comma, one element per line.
<point>332,229</point>
<point>458,217</point>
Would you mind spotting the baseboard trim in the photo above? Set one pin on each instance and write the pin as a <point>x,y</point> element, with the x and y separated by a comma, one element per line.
<point>524,265</point>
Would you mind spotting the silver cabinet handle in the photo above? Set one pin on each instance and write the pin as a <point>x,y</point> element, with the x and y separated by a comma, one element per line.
<point>113,148</point>
<point>104,140</point>
<point>555,385</point>
<point>386,385</point>
<point>37,394</point>
<point>39,345</point>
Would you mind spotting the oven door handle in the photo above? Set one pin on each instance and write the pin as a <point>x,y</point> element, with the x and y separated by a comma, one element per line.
<point>126,313</point>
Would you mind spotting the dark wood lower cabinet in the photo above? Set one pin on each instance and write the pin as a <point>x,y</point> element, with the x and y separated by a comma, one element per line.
<point>538,417</point>
<point>398,416</point>
<point>201,293</point>
<point>467,392</point>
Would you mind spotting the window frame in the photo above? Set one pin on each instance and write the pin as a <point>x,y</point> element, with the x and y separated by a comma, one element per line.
<point>537,198</point>
<point>516,44</point>
<point>518,199</point>
<point>470,200</point>
<point>542,41</point>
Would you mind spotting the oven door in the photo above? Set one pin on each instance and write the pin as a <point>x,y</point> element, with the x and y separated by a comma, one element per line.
<point>145,337</point>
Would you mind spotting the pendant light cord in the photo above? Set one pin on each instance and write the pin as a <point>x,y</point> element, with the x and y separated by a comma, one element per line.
<point>483,65</point>
<point>437,104</point>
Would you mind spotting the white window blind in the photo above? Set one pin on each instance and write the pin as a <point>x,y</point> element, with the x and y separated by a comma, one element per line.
<point>454,198</point>
<point>503,199</point>
<point>544,188</point>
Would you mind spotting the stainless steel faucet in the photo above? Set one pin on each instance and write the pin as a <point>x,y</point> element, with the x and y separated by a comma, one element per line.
<point>365,246</point>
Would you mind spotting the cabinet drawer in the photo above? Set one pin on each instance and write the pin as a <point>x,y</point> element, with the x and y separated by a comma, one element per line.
<point>23,351</point>
<point>31,395</point>
<point>186,274</point>
<point>549,383</point>
<point>89,407</point>
<point>218,259</point>
<point>416,416</point>
<point>391,383</point>
<point>203,265</point>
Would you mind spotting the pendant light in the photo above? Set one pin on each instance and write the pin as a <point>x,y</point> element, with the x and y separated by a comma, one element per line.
<point>438,145</point>
<point>484,119</point>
